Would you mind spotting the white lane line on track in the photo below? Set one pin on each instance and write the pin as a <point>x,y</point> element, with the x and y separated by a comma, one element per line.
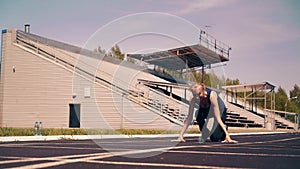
<point>157,164</point>
<point>29,159</point>
<point>236,154</point>
<point>93,157</point>
<point>253,147</point>
<point>279,140</point>
<point>53,147</point>
<point>62,159</point>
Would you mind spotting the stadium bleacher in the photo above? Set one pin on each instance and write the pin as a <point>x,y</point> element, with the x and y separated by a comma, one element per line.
<point>160,100</point>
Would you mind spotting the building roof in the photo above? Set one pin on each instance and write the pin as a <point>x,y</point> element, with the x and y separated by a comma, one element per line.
<point>56,44</point>
<point>173,59</point>
<point>25,36</point>
<point>250,87</point>
<point>163,84</point>
<point>182,57</point>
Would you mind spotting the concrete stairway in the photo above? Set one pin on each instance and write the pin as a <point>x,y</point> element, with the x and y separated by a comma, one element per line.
<point>239,117</point>
<point>234,119</point>
<point>280,122</point>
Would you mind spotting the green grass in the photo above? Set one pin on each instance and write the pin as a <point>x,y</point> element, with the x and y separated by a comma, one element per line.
<point>9,131</point>
<point>142,131</point>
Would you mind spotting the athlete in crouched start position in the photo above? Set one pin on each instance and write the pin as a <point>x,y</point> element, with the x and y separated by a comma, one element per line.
<point>210,106</point>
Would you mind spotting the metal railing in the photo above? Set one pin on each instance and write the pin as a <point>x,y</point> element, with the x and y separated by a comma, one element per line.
<point>277,115</point>
<point>165,106</point>
<point>213,44</point>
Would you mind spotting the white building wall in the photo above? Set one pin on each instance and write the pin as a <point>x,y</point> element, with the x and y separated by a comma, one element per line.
<point>39,90</point>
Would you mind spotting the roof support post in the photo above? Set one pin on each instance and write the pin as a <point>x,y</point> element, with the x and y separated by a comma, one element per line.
<point>226,95</point>
<point>187,70</point>
<point>265,106</point>
<point>232,95</point>
<point>236,96</point>
<point>202,74</point>
<point>274,99</point>
<point>267,113</point>
<point>252,100</point>
<point>244,97</point>
<point>255,99</point>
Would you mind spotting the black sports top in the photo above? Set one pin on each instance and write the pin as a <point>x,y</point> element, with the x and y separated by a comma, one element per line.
<point>205,103</point>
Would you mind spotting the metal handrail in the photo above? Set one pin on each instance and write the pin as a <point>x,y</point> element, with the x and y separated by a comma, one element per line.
<point>213,44</point>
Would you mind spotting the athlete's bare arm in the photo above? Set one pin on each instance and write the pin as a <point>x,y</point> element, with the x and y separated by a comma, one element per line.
<point>214,102</point>
<point>188,120</point>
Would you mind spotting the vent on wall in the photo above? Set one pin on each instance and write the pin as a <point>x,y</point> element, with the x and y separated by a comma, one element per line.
<point>87,92</point>
<point>27,28</point>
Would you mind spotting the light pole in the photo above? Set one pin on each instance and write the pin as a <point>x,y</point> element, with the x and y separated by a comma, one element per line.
<point>285,105</point>
<point>292,98</point>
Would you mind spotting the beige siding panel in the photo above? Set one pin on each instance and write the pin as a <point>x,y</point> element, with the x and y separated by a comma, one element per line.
<point>1,80</point>
<point>6,39</point>
<point>107,110</point>
<point>111,105</point>
<point>37,91</point>
<point>40,90</point>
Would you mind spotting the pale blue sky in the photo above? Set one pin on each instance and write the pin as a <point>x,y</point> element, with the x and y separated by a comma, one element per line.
<point>264,34</point>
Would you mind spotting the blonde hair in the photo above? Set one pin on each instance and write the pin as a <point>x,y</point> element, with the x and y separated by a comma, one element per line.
<point>194,87</point>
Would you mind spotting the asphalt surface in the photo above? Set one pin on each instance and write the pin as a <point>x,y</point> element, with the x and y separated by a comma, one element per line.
<point>252,151</point>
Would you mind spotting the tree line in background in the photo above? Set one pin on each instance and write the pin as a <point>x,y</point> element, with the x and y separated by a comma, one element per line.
<point>114,52</point>
<point>284,102</point>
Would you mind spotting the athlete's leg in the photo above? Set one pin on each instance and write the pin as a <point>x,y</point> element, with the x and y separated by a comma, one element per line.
<point>201,120</point>
<point>218,134</point>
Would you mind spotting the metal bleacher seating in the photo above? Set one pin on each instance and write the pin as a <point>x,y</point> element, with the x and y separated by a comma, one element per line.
<point>236,120</point>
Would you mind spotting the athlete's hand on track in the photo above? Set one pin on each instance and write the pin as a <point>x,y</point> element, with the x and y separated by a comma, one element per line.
<point>229,140</point>
<point>181,139</point>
